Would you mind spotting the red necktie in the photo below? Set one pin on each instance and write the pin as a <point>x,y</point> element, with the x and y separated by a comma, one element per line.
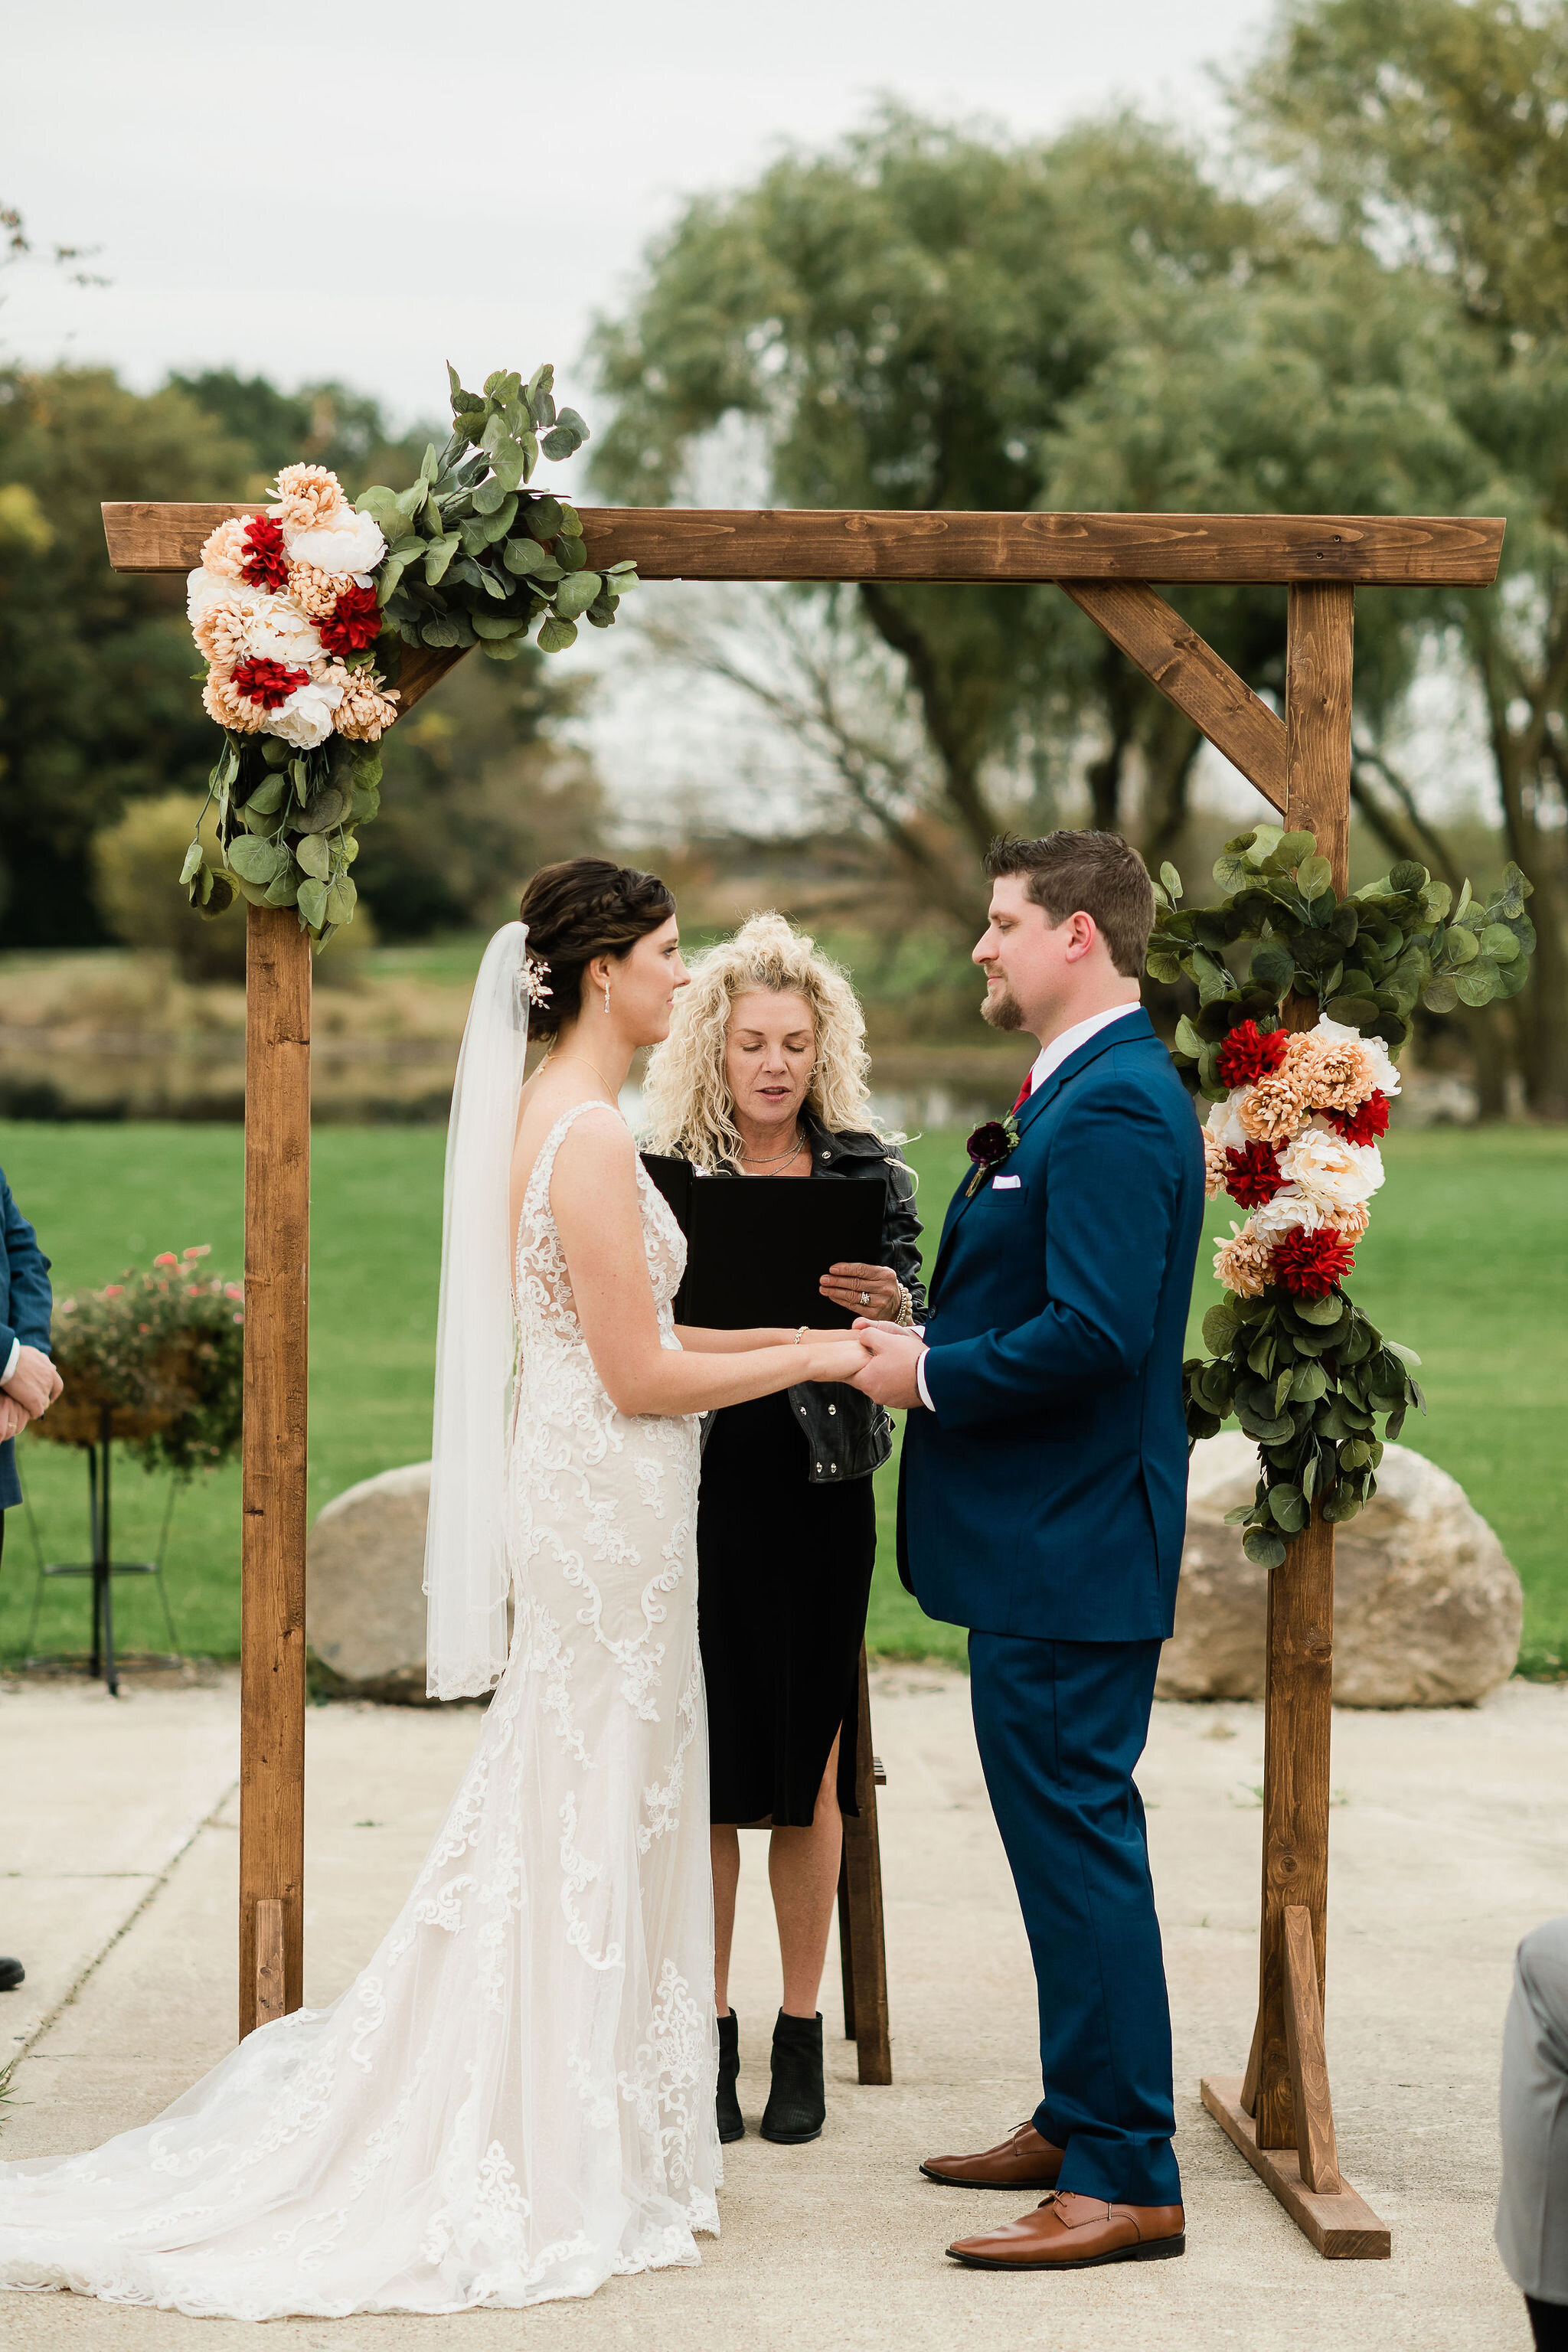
<point>1024,1089</point>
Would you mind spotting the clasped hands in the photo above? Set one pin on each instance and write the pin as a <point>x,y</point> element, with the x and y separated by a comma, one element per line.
<point>32,1388</point>
<point>890,1352</point>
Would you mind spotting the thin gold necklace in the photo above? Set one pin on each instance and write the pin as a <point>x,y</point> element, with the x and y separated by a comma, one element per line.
<point>613,1091</point>
<point>792,1153</point>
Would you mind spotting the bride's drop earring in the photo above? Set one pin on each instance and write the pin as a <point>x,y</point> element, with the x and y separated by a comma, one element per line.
<point>607,996</point>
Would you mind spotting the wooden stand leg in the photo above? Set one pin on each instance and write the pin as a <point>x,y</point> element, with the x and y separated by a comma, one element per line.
<point>1316,2154</point>
<point>268,1960</point>
<point>272,1569</point>
<point>862,1951</point>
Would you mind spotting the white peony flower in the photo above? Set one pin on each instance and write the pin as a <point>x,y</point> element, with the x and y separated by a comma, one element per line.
<point>1331,1172</point>
<point>1223,1123</point>
<point>352,544</point>
<point>280,632</point>
<point>1275,1218</point>
<point>306,718</point>
<point>205,589</point>
<point>1338,1033</point>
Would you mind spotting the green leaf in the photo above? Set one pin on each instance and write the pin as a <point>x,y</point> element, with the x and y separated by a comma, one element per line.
<point>561,442</point>
<point>1188,1042</point>
<point>1319,1310</point>
<point>438,555</point>
<point>1273,968</point>
<point>1169,877</point>
<point>1264,1550</point>
<point>1162,967</point>
<point>1214,980</point>
<point>1440,995</point>
<point>1308,1384</point>
<point>1499,943</point>
<point>1408,1355</point>
<point>495,625</point>
<point>193,865</point>
<point>313,903</point>
<point>342,900</point>
<point>542,517</point>
<point>489,497</point>
<point>268,795</point>
<point>576,593</point>
<point>554,636</point>
<point>1313,877</point>
<point>503,648</point>
<point>220,898</point>
<point>1220,1327</point>
<point>1478,984</point>
<point>527,557</point>
<point>572,527</point>
<point>1354,1012</point>
<point>284,889</point>
<point>255,861</point>
<point>1288,1507</point>
<point>315,856</point>
<point>326,808</point>
<point>1460,946</point>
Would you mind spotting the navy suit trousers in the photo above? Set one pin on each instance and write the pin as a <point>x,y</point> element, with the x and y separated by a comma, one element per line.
<point>1060,1725</point>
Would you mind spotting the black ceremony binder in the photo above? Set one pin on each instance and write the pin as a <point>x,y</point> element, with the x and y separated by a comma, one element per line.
<point>757,1246</point>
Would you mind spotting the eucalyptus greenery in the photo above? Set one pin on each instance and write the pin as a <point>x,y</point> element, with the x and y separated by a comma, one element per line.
<point>475,557</point>
<point>1310,1378</point>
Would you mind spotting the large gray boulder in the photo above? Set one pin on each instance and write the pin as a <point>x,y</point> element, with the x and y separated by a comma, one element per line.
<point>1427,1606</point>
<point>364,1596</point>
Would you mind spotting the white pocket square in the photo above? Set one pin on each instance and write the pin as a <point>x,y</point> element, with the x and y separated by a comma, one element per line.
<point>1006,1183</point>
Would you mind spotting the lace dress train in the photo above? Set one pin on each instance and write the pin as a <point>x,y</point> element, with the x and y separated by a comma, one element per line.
<point>514,2101</point>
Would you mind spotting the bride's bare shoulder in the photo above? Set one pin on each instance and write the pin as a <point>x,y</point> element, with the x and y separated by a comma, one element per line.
<point>591,1146</point>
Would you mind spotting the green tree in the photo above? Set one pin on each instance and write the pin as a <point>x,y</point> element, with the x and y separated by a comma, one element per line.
<point>1429,133</point>
<point>905,321</point>
<point>96,703</point>
<point>323,424</point>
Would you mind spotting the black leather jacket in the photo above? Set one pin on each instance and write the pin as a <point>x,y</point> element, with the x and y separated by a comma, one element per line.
<point>846,1435</point>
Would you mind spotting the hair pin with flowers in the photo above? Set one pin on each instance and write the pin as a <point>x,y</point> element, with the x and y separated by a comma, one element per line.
<point>534,979</point>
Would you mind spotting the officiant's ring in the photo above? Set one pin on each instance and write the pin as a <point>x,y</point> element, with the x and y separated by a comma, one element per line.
<point>865,1298</point>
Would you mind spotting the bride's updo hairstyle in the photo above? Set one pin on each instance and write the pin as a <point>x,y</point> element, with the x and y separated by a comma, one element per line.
<point>584,908</point>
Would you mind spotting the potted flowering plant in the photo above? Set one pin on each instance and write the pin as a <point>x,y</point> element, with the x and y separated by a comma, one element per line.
<point>161,1353</point>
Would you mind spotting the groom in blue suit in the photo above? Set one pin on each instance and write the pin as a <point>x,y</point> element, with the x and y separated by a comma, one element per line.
<point>1041,1503</point>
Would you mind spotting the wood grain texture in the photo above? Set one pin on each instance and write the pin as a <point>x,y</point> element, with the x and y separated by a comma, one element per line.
<point>276,1347</point>
<point>1319,665</point>
<point>269,1965</point>
<point>1316,2153</point>
<point>862,1947</point>
<point>1220,704</point>
<point>1341,2226</point>
<point>851,543</point>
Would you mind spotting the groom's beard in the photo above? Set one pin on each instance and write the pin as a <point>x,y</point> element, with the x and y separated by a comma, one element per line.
<point>1001,1009</point>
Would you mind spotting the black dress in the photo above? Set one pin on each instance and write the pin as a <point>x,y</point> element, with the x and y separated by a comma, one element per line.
<point>785,1559</point>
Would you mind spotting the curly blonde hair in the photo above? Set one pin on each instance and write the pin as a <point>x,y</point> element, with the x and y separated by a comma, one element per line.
<point>687,1108</point>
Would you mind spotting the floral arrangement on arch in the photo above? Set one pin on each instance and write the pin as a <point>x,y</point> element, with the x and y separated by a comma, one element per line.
<point>301,611</point>
<point>1298,1110</point>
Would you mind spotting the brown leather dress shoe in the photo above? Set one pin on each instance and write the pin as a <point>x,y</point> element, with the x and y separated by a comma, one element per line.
<point>1023,2160</point>
<point>1069,2232</point>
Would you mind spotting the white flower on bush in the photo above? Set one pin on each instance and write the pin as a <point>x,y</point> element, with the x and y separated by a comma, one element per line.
<point>1291,1207</point>
<point>306,718</point>
<point>1338,1033</point>
<point>1223,1123</point>
<point>203,588</point>
<point>278,631</point>
<point>1329,1172</point>
<point>352,543</point>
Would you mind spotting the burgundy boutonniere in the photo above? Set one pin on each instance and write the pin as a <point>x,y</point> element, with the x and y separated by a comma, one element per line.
<point>988,1147</point>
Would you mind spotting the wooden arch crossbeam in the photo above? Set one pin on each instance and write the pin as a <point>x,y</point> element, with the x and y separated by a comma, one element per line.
<point>1279,2115</point>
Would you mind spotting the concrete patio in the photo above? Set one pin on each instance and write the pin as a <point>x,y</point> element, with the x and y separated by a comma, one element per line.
<point>117,1887</point>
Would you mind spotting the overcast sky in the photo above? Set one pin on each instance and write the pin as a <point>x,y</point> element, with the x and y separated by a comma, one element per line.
<point>363,192</point>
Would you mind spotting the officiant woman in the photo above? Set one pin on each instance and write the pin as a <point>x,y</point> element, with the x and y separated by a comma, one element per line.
<point>764,1073</point>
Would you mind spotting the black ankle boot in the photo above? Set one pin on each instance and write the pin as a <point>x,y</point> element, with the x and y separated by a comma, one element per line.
<point>797,2106</point>
<point>732,2122</point>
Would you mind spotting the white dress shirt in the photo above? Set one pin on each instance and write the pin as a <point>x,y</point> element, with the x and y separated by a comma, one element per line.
<point>1049,1060</point>
<point>11,1362</point>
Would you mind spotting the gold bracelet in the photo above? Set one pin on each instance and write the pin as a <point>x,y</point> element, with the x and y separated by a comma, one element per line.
<point>906,1314</point>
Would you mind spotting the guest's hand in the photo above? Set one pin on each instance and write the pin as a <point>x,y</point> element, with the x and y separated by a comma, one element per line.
<point>34,1383</point>
<point>13,1419</point>
<point>888,1373</point>
<point>864,1289</point>
<point>833,1355</point>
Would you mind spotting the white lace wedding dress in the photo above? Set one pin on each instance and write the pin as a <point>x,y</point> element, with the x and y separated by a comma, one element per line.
<point>514,2101</point>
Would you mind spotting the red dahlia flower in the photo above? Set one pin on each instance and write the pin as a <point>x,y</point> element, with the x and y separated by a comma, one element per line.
<point>354,622</point>
<point>1250,1053</point>
<point>1310,1263</point>
<point>1365,1123</point>
<point>1253,1174</point>
<point>270,683</point>
<point>266,562</point>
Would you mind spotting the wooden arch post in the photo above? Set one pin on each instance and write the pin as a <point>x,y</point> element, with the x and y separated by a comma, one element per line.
<point>1279,2115</point>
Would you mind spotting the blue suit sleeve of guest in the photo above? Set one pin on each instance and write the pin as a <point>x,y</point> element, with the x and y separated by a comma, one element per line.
<point>26,1314</point>
<point>1105,1247</point>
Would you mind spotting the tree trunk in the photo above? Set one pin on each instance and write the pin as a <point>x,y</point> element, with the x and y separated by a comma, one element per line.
<point>960,771</point>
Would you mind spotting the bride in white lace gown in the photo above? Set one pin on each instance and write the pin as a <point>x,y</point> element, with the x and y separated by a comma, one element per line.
<point>514,2100</point>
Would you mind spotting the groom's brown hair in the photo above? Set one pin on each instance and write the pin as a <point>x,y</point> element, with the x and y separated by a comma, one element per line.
<point>1088,873</point>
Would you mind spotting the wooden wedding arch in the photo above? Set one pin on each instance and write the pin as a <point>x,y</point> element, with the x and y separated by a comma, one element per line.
<point>1279,2115</point>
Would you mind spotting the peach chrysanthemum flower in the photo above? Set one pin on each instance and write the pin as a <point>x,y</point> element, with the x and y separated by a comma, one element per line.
<point>1349,1224</point>
<point>1215,1168</point>
<point>220,633</point>
<point>1333,1074</point>
<point>309,497</point>
<point>1242,1262</point>
<point>223,550</point>
<point>315,592</point>
<point>369,705</point>
<point>1274,1108</point>
<point>229,709</point>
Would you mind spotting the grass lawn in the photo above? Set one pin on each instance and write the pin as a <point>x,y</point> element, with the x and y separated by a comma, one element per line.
<point>1466,1262</point>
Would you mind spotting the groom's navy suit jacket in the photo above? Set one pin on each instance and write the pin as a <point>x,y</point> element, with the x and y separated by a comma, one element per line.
<point>1045,1495</point>
<point>25,1304</point>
